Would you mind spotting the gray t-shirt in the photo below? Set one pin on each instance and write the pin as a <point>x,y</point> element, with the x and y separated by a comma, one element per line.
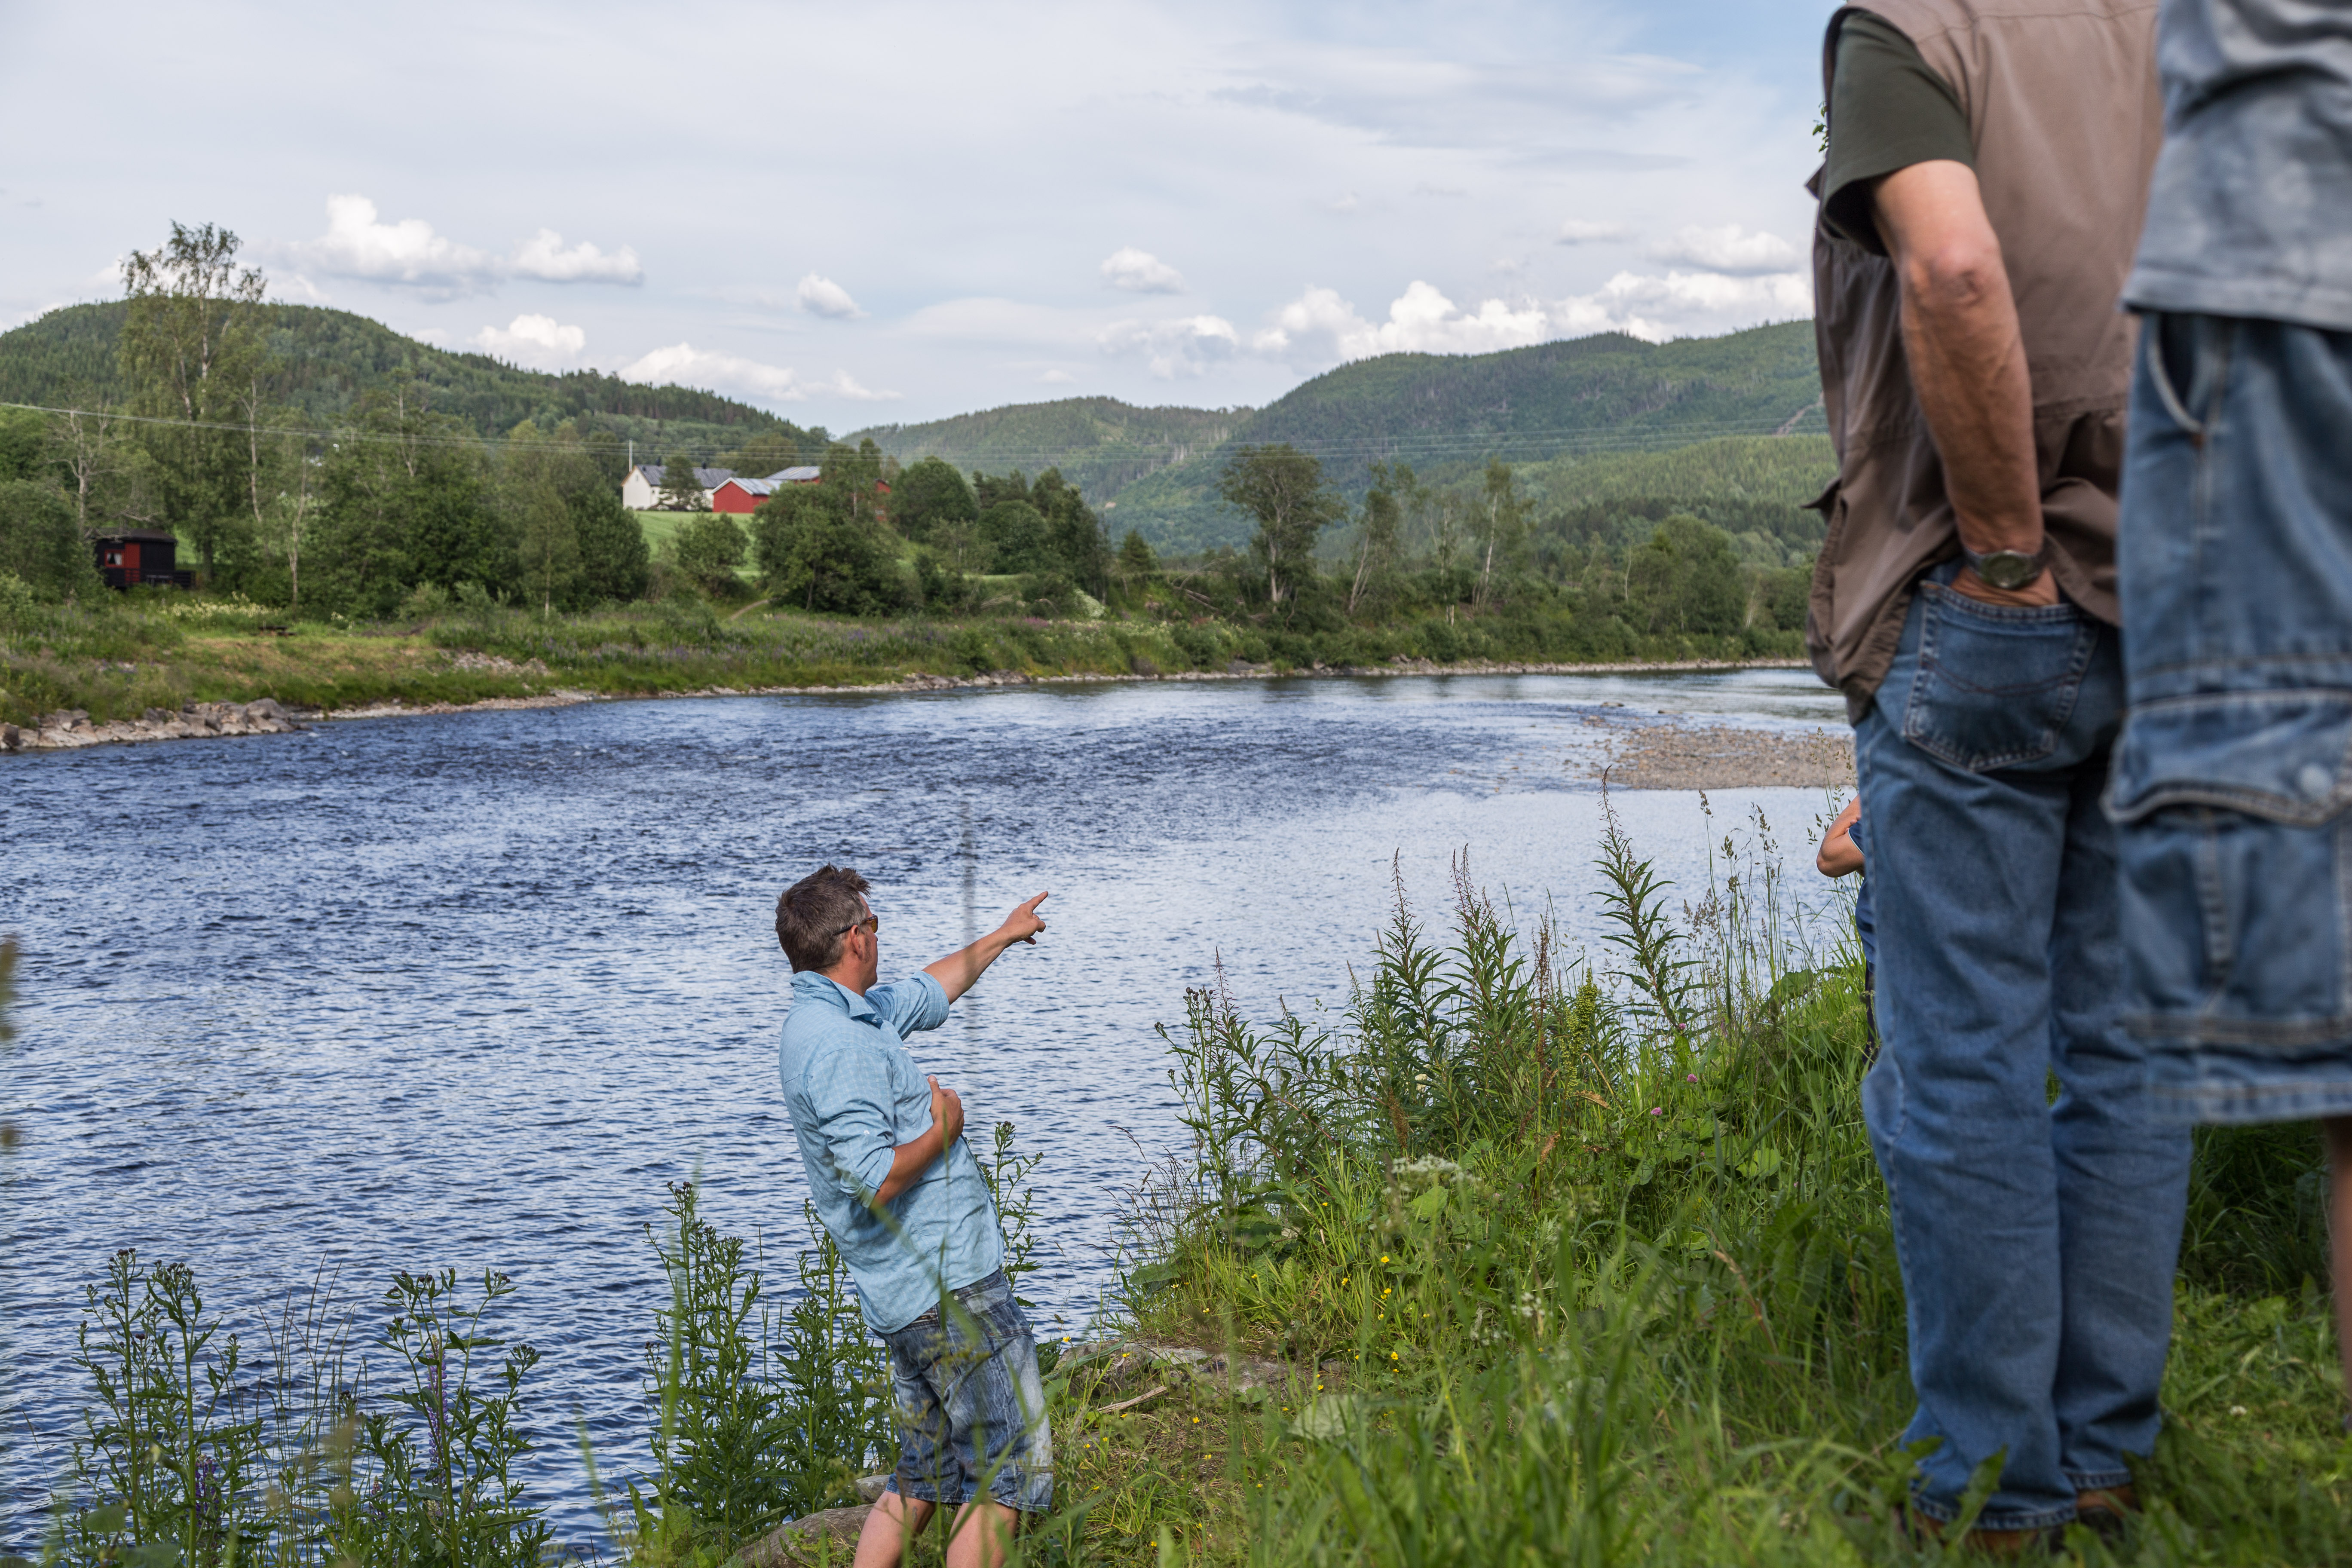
<point>2250,212</point>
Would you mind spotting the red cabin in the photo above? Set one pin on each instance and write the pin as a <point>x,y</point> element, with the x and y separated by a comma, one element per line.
<point>141,557</point>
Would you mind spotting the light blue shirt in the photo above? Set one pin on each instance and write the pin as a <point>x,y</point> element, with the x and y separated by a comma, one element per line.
<point>856,1095</point>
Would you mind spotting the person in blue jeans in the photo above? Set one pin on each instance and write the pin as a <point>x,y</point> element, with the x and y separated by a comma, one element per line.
<point>905,1201</point>
<point>1982,192</point>
<point>2231,779</point>
<point>1842,855</point>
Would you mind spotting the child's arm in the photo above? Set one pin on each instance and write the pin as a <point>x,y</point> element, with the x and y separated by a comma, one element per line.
<point>1840,855</point>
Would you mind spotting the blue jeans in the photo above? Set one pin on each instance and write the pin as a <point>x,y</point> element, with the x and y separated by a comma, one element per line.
<point>972,1406</point>
<point>2230,779</point>
<point>2037,1239</point>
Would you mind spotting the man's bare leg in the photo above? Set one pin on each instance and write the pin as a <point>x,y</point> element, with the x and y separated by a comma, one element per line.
<point>2339,1233</point>
<point>982,1533</point>
<point>895,1522</point>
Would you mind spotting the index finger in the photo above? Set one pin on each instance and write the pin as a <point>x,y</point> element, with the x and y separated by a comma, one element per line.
<point>1040,899</point>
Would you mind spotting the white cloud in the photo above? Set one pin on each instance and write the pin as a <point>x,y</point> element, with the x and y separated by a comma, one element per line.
<point>844,385</point>
<point>411,254</point>
<point>356,245</point>
<point>1589,231</point>
<point>1727,249</point>
<point>1057,377</point>
<point>545,256</point>
<point>1140,272</point>
<point>1184,346</point>
<point>824,297</point>
<point>539,341</point>
<point>1683,303</point>
<point>1320,326</point>
<point>685,366</point>
<point>1346,204</point>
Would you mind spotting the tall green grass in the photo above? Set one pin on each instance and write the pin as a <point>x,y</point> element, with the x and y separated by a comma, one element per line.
<point>1586,1259</point>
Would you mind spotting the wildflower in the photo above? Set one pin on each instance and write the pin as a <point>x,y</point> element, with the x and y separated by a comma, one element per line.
<point>1657,1111</point>
<point>1691,1075</point>
<point>1384,1257</point>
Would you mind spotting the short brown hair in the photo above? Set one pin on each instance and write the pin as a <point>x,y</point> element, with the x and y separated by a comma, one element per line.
<point>815,913</point>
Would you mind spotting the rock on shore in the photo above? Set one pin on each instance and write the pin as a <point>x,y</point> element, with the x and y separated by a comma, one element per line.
<point>69,727</point>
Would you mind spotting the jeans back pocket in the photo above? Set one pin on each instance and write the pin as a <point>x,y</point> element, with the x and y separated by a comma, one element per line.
<point>1996,683</point>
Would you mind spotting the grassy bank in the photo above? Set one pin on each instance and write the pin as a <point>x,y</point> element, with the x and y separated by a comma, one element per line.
<point>120,655</point>
<point>1541,1256</point>
<point>1591,1263</point>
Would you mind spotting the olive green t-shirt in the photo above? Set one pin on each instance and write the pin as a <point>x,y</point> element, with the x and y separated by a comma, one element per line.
<point>1888,110</point>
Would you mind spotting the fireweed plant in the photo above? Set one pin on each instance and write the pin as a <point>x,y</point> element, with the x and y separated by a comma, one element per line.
<point>1537,1256</point>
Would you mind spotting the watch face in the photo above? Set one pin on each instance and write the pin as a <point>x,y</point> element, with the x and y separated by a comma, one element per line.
<point>2008,569</point>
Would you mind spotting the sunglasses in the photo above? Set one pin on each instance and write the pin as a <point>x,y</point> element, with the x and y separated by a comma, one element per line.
<point>869,925</point>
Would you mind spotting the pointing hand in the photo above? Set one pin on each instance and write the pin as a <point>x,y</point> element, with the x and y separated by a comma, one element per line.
<point>1023,924</point>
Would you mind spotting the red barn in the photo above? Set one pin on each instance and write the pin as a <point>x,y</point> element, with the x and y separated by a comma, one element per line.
<point>742,497</point>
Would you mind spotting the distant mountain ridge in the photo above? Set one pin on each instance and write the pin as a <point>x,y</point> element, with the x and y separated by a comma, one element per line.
<point>326,359</point>
<point>1155,470</point>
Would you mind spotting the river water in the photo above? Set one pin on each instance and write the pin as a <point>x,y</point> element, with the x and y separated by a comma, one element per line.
<point>468,990</point>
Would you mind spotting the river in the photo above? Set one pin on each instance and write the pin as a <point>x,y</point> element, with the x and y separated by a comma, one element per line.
<point>468,990</point>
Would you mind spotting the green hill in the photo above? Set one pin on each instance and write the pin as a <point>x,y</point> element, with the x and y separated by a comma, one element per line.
<point>1549,406</point>
<point>1101,444</point>
<point>326,360</point>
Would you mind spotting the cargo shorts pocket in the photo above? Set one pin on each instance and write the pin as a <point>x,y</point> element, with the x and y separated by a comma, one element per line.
<point>2234,867</point>
<point>1996,683</point>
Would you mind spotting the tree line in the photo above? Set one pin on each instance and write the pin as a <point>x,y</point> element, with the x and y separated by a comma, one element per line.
<point>1413,549</point>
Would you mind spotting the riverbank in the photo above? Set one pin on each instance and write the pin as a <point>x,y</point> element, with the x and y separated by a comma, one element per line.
<point>1547,1278</point>
<point>117,662</point>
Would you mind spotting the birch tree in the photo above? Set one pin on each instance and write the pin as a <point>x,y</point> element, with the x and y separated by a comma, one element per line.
<point>192,344</point>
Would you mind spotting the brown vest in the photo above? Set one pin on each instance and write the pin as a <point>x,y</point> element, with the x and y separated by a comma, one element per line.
<point>2064,109</point>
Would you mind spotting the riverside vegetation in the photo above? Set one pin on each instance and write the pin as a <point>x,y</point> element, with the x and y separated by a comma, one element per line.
<point>342,565</point>
<point>1006,574</point>
<point>1552,1256</point>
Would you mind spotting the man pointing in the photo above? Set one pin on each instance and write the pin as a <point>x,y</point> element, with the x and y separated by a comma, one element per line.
<point>902,1197</point>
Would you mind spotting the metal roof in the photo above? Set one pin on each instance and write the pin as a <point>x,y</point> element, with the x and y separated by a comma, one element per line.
<point>709,478</point>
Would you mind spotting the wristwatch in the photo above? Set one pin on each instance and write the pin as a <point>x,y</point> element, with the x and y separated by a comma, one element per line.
<point>2008,570</point>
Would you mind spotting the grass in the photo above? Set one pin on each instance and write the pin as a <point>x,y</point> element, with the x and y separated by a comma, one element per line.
<point>1556,1258</point>
<point>1592,1262</point>
<point>118,655</point>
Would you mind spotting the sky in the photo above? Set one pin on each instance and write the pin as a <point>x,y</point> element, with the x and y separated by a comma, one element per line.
<point>897,211</point>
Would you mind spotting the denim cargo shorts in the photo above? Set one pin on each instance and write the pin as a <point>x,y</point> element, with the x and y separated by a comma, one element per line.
<point>2231,787</point>
<point>971,1406</point>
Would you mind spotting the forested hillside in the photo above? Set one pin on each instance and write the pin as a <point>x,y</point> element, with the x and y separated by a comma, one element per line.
<point>319,362</point>
<point>1099,444</point>
<point>1549,408</point>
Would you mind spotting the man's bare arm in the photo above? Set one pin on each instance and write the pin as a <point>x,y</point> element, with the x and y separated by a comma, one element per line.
<point>1840,855</point>
<point>1968,363</point>
<point>958,970</point>
<point>912,1160</point>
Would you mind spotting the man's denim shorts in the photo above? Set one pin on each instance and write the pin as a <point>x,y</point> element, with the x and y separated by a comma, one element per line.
<point>971,1406</point>
<point>2232,783</point>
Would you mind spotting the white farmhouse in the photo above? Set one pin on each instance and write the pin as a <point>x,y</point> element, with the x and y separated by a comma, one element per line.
<point>641,492</point>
